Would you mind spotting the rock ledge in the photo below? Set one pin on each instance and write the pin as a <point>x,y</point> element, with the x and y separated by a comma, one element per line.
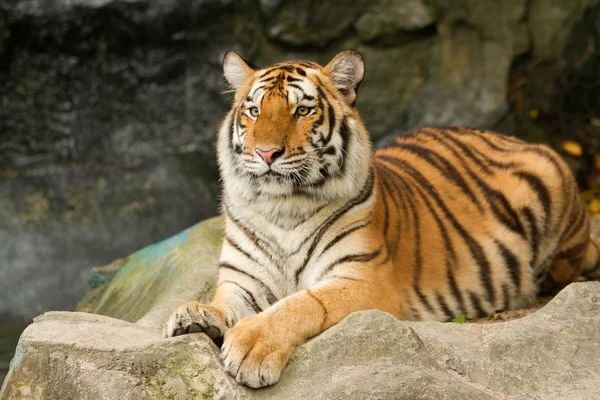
<point>552,354</point>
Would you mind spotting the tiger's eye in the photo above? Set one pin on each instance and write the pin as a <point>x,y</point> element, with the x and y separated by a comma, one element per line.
<point>303,111</point>
<point>254,111</point>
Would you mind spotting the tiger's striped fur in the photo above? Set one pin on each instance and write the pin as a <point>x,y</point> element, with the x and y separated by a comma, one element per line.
<point>442,222</point>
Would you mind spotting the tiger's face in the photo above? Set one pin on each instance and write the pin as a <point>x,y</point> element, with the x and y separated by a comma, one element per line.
<point>292,126</point>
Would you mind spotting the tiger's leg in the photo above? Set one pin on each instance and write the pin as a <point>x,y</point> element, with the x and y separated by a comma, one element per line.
<point>237,296</point>
<point>256,350</point>
<point>570,260</point>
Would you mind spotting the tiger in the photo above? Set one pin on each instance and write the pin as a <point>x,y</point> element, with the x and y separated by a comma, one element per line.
<point>439,223</point>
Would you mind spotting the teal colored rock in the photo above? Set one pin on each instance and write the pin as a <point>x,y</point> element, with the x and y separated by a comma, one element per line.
<point>151,282</point>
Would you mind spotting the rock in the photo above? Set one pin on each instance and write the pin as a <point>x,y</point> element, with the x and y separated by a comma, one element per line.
<point>54,220</point>
<point>546,15</point>
<point>369,355</point>
<point>551,354</point>
<point>476,42</point>
<point>85,356</point>
<point>54,7</point>
<point>150,283</point>
<point>307,22</point>
<point>391,16</point>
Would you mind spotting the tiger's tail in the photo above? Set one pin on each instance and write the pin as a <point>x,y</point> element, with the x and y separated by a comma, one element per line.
<point>591,267</point>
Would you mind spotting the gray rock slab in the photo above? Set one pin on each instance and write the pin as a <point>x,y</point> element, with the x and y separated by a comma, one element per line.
<point>551,354</point>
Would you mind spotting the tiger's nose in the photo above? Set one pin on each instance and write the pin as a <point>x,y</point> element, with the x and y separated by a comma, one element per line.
<point>270,155</point>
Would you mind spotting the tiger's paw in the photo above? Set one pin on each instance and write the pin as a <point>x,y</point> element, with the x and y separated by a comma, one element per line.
<point>253,352</point>
<point>195,317</point>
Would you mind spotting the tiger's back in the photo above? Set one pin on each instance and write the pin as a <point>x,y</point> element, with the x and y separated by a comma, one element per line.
<point>477,221</point>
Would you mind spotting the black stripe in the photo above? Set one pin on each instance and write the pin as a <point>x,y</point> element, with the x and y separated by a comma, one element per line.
<point>386,212</point>
<point>297,87</point>
<point>466,150</point>
<point>325,312</point>
<point>323,103</point>
<point>226,265</point>
<point>577,221</point>
<point>256,89</point>
<point>262,245</point>
<point>358,257</point>
<point>474,247</point>
<point>444,167</point>
<point>495,163</point>
<point>342,235</point>
<point>268,79</point>
<point>397,207</point>
<point>231,133</point>
<point>456,293</point>
<point>292,79</point>
<point>506,293</point>
<point>276,68</point>
<point>269,292</point>
<point>571,252</point>
<point>540,189</point>
<point>300,71</point>
<point>491,144</point>
<point>248,297</point>
<point>348,278</point>
<point>533,234</point>
<point>363,196</point>
<point>389,177</point>
<point>308,64</point>
<point>345,135</point>
<point>548,155</point>
<point>444,306</point>
<point>332,121</point>
<point>476,303</point>
<point>498,203</point>
<point>449,249</point>
<point>236,246</point>
<point>321,119</point>
<point>552,158</point>
<point>512,265</point>
<point>418,259</point>
<point>503,211</point>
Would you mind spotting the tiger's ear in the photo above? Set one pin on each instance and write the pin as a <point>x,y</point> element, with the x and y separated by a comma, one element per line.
<point>346,71</point>
<point>236,69</point>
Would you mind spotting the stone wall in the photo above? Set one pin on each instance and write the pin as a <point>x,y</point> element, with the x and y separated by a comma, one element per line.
<point>108,108</point>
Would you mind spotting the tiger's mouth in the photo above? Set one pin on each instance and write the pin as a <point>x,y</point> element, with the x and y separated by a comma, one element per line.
<point>303,176</point>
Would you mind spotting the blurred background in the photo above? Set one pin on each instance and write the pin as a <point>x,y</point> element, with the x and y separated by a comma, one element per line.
<point>109,108</point>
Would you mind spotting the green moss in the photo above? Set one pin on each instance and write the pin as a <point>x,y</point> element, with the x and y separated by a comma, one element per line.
<point>157,272</point>
<point>186,374</point>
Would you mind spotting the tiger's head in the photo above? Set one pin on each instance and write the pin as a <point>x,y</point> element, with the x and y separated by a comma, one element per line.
<point>294,130</point>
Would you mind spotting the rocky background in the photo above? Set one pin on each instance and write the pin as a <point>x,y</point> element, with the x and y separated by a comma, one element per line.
<point>109,108</point>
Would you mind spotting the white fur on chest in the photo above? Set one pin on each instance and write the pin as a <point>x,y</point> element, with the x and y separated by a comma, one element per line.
<point>289,242</point>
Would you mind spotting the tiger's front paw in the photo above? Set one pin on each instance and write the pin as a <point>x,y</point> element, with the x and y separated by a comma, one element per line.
<point>195,317</point>
<point>254,353</point>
